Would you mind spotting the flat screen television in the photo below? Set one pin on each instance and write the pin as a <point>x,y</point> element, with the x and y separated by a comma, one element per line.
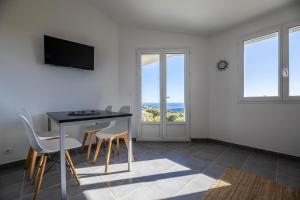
<point>68,54</point>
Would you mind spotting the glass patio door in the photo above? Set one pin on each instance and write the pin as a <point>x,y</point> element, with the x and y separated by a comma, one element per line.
<point>163,95</point>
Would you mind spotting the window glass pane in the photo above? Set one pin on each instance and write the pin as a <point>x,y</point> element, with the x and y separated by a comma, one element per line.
<point>150,88</point>
<point>261,66</point>
<point>175,88</point>
<point>294,61</point>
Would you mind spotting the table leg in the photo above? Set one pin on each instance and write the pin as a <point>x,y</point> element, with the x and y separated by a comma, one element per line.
<point>129,145</point>
<point>63,183</point>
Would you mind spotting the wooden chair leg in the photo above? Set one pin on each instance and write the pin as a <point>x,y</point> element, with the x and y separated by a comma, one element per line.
<point>125,138</point>
<point>40,176</point>
<point>85,134</point>
<point>69,166</point>
<point>90,145</point>
<point>28,158</point>
<point>31,165</point>
<point>100,141</point>
<point>72,168</point>
<point>38,169</point>
<point>114,150</point>
<point>118,146</point>
<point>108,155</point>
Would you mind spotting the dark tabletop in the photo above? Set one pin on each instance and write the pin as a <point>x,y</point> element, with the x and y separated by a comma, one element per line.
<point>62,117</point>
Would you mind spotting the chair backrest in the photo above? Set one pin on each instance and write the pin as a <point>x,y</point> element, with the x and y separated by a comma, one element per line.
<point>28,116</point>
<point>125,109</point>
<point>120,124</point>
<point>108,108</point>
<point>31,135</point>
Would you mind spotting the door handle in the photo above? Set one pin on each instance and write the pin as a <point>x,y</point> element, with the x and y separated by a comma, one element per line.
<point>285,72</point>
<point>168,97</point>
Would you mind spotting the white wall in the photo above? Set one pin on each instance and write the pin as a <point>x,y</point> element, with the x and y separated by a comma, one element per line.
<point>272,127</point>
<point>26,82</point>
<point>131,39</point>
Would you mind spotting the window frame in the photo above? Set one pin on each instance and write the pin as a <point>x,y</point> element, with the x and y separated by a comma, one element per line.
<point>286,80</point>
<point>243,99</point>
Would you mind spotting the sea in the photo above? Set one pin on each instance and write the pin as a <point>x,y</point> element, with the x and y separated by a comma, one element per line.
<point>179,107</point>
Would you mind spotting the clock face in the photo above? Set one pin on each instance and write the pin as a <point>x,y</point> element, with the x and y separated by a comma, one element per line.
<point>222,65</point>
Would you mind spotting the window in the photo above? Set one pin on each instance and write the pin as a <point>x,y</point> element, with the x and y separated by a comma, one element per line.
<point>175,68</point>
<point>271,65</point>
<point>261,66</point>
<point>150,87</point>
<point>294,61</point>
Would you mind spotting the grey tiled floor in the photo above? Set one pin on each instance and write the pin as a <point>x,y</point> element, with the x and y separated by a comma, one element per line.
<point>162,171</point>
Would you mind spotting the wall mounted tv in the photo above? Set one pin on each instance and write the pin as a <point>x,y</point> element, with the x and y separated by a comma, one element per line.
<point>68,54</point>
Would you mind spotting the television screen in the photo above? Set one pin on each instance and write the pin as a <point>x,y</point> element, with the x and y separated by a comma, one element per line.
<point>68,54</point>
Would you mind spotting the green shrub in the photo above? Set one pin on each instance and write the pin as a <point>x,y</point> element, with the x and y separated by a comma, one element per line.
<point>152,114</point>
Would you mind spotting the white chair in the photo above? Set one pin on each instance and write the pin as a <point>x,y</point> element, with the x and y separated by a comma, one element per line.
<point>118,130</point>
<point>90,131</point>
<point>31,155</point>
<point>46,147</point>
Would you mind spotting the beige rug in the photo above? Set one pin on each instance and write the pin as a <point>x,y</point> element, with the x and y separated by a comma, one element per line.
<point>237,184</point>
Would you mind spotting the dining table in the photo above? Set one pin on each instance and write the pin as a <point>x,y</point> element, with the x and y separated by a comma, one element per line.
<point>69,118</point>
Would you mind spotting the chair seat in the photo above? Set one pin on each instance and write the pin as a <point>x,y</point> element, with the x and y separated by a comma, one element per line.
<point>107,135</point>
<point>119,127</point>
<point>51,146</point>
<point>96,127</point>
<point>46,135</point>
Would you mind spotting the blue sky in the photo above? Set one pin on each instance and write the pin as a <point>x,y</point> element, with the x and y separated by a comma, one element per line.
<point>175,81</point>
<point>175,78</point>
<point>294,62</point>
<point>150,83</point>
<point>261,68</point>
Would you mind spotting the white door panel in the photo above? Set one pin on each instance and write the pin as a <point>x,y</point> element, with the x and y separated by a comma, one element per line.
<point>151,131</point>
<point>176,131</point>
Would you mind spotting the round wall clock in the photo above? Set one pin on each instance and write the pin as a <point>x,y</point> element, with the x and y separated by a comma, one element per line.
<point>222,65</point>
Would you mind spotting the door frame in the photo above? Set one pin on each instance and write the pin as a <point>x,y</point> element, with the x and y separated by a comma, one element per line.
<point>163,123</point>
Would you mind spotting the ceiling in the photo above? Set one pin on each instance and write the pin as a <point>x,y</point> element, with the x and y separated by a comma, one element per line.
<point>188,16</point>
